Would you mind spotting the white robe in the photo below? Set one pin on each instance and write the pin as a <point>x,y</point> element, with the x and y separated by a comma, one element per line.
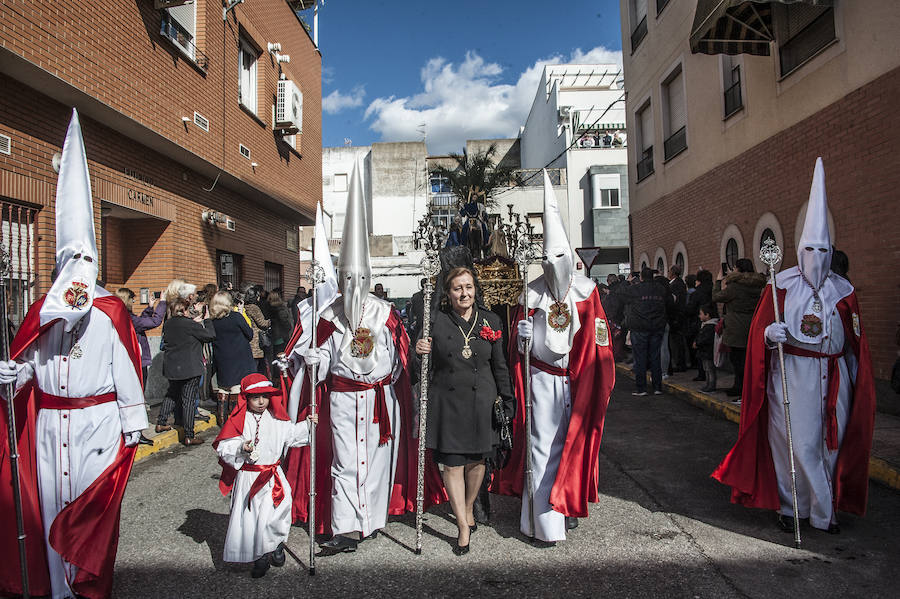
<point>362,471</point>
<point>807,388</point>
<point>259,530</point>
<point>74,447</point>
<point>551,402</point>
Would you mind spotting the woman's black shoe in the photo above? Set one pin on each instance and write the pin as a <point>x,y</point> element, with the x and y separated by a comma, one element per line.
<point>460,549</point>
<point>473,528</point>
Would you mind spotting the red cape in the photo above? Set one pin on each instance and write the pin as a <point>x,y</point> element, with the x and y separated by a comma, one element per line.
<point>592,380</point>
<point>403,493</point>
<point>748,467</point>
<point>86,532</point>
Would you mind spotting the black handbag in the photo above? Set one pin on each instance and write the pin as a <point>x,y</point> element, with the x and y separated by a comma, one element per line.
<point>265,339</point>
<point>503,425</point>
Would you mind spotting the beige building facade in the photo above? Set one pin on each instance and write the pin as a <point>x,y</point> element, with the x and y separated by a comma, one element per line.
<point>722,146</point>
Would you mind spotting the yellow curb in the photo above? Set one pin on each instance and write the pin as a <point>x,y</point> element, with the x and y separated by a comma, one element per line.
<point>167,439</point>
<point>879,470</point>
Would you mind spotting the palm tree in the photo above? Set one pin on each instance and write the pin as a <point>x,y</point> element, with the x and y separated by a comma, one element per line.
<point>476,177</point>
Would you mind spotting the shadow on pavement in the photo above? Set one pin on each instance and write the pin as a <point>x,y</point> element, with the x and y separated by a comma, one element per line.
<point>203,526</point>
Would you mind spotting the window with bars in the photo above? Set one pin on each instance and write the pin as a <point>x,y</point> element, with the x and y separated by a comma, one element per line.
<point>801,31</point>
<point>731,253</point>
<point>274,276</point>
<point>17,232</point>
<point>675,123</point>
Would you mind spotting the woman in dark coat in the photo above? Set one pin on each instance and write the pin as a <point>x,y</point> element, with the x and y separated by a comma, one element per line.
<point>739,293</point>
<point>468,373</point>
<point>184,337</point>
<point>232,356</point>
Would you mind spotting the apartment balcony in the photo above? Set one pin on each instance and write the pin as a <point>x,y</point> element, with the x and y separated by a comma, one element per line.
<point>645,164</point>
<point>675,144</point>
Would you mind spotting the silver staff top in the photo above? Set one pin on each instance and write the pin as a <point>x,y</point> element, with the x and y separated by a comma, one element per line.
<point>315,274</point>
<point>770,253</point>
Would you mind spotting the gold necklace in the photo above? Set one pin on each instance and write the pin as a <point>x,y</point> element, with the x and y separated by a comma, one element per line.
<point>559,317</point>
<point>466,350</point>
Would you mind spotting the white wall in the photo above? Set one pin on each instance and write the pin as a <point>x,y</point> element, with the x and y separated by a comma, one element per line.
<point>337,161</point>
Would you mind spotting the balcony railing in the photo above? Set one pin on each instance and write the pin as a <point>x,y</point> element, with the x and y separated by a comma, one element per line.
<point>639,33</point>
<point>675,144</point>
<point>733,100</point>
<point>439,200</point>
<point>645,165</point>
<point>183,40</point>
<point>531,177</point>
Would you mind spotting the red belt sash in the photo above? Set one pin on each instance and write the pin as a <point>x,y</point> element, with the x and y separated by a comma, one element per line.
<point>380,416</point>
<point>46,401</point>
<point>266,472</point>
<point>549,368</point>
<point>834,384</point>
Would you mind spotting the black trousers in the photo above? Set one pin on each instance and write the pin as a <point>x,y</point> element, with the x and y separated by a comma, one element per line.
<point>737,356</point>
<point>180,400</point>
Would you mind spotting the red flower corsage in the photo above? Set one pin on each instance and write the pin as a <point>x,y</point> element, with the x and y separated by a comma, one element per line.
<point>490,334</point>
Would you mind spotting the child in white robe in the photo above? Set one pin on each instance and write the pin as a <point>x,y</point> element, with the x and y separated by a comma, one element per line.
<point>250,446</point>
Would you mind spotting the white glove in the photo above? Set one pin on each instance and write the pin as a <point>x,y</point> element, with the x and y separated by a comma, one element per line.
<point>526,328</point>
<point>313,356</point>
<point>132,438</point>
<point>8,372</point>
<point>777,332</point>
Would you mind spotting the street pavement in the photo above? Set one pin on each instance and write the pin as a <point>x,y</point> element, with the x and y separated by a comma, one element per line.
<point>662,528</point>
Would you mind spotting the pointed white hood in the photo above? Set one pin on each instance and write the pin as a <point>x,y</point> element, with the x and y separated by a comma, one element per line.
<point>803,312</point>
<point>72,293</point>
<point>558,264</point>
<point>326,291</point>
<point>354,264</point>
<point>814,250</point>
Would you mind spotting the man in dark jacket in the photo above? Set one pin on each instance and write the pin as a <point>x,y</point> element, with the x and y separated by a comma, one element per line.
<point>677,345</point>
<point>417,310</point>
<point>648,305</point>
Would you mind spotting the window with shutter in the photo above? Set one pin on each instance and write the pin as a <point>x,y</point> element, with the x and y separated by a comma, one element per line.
<point>675,112</point>
<point>675,90</point>
<point>179,25</point>
<point>646,120</point>
<point>247,59</point>
<point>802,30</point>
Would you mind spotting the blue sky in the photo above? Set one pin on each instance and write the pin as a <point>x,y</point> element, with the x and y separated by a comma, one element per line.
<point>468,69</point>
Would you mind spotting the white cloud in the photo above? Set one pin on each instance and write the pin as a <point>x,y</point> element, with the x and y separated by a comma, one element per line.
<point>468,100</point>
<point>336,101</point>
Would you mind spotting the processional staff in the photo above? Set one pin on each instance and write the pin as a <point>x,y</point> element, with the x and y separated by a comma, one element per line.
<point>771,255</point>
<point>9,390</point>
<point>431,238</point>
<point>525,254</point>
<point>315,274</point>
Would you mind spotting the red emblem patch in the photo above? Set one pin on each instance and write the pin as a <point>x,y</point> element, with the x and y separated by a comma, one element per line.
<point>76,295</point>
<point>811,325</point>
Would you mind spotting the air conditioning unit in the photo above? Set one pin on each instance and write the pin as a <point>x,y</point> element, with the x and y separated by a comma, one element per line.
<point>289,108</point>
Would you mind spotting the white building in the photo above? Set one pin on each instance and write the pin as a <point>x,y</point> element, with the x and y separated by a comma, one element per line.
<point>394,181</point>
<point>576,128</point>
<point>577,125</point>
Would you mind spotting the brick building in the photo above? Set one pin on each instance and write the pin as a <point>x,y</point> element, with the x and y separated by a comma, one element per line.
<point>203,137</point>
<point>722,145</point>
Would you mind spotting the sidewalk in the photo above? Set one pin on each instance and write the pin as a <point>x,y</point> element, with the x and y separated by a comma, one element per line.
<point>162,441</point>
<point>884,463</point>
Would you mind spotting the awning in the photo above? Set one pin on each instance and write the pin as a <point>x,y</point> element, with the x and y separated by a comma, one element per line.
<point>736,26</point>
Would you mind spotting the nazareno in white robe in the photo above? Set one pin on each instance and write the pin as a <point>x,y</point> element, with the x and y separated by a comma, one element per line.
<point>74,447</point>
<point>362,471</point>
<point>257,531</point>
<point>551,404</point>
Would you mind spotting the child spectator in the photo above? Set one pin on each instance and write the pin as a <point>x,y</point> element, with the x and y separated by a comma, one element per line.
<point>709,317</point>
<point>250,446</point>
